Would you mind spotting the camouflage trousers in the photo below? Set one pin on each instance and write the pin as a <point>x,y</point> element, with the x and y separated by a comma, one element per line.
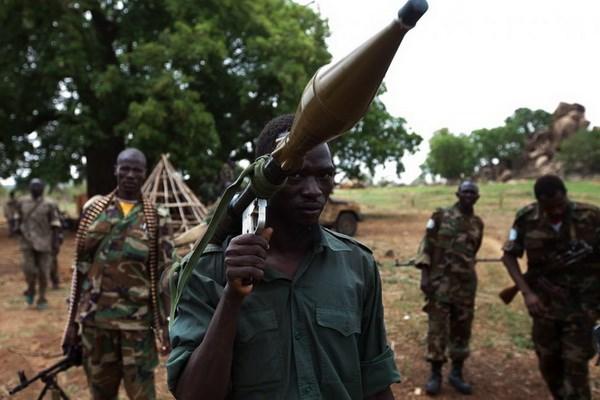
<point>36,267</point>
<point>112,355</point>
<point>449,325</point>
<point>564,349</point>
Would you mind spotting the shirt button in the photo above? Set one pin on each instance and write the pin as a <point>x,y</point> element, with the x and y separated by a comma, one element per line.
<point>297,336</point>
<point>307,390</point>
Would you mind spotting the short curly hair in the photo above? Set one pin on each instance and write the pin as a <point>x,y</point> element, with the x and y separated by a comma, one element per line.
<point>548,185</point>
<point>266,141</point>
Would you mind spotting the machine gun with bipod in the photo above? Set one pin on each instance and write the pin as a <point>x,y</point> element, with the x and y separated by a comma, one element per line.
<point>48,376</point>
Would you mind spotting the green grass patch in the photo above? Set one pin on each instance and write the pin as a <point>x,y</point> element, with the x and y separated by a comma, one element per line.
<point>516,324</point>
<point>494,196</point>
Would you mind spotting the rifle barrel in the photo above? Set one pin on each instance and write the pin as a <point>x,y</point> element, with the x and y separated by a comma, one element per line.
<point>61,365</point>
<point>411,262</point>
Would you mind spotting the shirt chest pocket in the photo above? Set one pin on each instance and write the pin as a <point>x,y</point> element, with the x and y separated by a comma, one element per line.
<point>136,245</point>
<point>258,355</point>
<point>339,332</point>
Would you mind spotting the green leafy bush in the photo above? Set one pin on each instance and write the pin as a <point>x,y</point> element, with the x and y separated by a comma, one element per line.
<point>581,153</point>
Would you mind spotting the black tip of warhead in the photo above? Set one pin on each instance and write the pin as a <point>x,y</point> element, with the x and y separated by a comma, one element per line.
<point>412,11</point>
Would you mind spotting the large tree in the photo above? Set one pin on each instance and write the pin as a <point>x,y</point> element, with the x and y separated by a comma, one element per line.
<point>375,140</point>
<point>580,153</point>
<point>505,144</point>
<point>450,156</point>
<point>526,121</point>
<point>501,145</point>
<point>83,79</point>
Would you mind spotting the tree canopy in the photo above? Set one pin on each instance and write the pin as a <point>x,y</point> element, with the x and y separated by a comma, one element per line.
<point>499,145</point>
<point>455,156</point>
<point>375,140</point>
<point>581,152</point>
<point>526,121</point>
<point>450,156</point>
<point>83,79</point>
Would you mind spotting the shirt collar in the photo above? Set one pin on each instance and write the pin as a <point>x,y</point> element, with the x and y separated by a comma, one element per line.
<point>329,240</point>
<point>539,213</point>
<point>324,239</point>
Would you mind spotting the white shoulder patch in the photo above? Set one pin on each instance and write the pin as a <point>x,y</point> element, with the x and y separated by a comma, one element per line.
<point>512,235</point>
<point>430,224</point>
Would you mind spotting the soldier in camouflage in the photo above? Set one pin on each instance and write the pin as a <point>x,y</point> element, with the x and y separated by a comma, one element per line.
<point>39,226</point>
<point>563,305</point>
<point>115,310</point>
<point>10,213</point>
<point>446,259</point>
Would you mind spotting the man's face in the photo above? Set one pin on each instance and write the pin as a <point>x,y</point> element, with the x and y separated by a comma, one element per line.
<point>130,172</point>
<point>36,188</point>
<point>303,197</point>
<point>467,195</point>
<point>555,206</point>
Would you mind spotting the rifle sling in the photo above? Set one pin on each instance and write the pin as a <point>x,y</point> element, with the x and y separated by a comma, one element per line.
<point>180,274</point>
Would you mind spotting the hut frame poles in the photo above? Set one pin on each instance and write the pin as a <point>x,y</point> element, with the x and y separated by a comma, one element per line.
<point>165,187</point>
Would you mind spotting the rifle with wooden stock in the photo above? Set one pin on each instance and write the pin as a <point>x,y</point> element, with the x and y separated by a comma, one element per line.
<point>412,262</point>
<point>577,251</point>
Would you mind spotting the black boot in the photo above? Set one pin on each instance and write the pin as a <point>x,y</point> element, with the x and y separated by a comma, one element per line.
<point>456,379</point>
<point>434,384</point>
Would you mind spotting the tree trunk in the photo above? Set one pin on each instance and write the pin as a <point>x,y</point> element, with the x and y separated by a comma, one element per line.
<point>101,160</point>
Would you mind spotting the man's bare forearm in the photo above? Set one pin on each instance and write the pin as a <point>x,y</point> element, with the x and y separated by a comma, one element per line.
<point>208,371</point>
<point>514,270</point>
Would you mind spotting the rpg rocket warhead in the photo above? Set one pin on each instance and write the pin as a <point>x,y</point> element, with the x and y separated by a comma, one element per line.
<point>332,103</point>
<point>339,94</point>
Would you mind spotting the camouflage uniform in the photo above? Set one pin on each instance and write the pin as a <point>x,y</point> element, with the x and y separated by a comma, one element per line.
<point>563,336</point>
<point>54,276</point>
<point>448,250</point>
<point>115,307</point>
<point>37,219</point>
<point>10,214</point>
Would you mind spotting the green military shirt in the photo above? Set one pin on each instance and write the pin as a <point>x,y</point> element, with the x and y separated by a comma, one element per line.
<point>532,233</point>
<point>448,249</point>
<point>320,335</point>
<point>37,218</point>
<point>114,265</point>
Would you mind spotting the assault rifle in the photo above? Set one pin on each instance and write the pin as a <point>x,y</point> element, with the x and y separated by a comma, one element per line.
<point>48,375</point>
<point>412,262</point>
<point>577,251</point>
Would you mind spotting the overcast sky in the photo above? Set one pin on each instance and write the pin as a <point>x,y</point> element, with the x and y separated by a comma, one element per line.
<point>470,63</point>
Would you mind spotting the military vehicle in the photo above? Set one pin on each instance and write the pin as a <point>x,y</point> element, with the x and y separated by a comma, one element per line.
<point>341,215</point>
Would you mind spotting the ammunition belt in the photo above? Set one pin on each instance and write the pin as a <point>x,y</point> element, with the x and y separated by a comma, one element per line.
<point>151,217</point>
<point>88,217</point>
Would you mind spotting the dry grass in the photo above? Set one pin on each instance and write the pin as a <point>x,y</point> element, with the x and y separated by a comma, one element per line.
<point>502,365</point>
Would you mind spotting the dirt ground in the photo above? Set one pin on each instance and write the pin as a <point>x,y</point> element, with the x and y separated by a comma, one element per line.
<point>502,365</point>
